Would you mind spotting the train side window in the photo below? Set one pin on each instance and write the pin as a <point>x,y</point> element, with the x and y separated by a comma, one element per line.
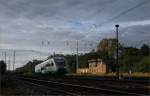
<point>52,63</point>
<point>48,65</point>
<point>42,68</point>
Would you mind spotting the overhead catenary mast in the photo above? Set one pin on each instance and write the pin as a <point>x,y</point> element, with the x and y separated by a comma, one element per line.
<point>9,63</point>
<point>2,56</point>
<point>14,54</point>
<point>77,59</point>
<point>5,56</point>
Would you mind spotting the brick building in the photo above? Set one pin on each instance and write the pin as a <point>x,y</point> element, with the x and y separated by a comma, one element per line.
<point>96,66</point>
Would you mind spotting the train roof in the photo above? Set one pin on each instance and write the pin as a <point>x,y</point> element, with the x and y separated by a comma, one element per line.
<point>54,58</point>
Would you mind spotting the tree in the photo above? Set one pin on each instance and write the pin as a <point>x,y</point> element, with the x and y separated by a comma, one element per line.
<point>143,65</point>
<point>29,67</point>
<point>71,63</point>
<point>145,50</point>
<point>128,58</point>
<point>2,67</point>
<point>108,45</point>
<point>107,49</point>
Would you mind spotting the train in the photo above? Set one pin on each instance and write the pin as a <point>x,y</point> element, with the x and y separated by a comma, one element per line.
<point>54,65</point>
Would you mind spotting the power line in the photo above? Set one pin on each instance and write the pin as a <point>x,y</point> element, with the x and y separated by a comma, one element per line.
<point>124,12</point>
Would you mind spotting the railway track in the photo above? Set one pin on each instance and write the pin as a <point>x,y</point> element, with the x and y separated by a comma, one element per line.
<point>133,86</point>
<point>76,89</point>
<point>59,92</point>
<point>123,79</point>
<point>136,83</point>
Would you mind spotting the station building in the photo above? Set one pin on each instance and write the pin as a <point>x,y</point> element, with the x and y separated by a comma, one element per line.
<point>95,66</point>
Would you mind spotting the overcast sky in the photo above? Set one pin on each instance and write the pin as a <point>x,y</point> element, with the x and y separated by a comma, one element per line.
<point>55,25</point>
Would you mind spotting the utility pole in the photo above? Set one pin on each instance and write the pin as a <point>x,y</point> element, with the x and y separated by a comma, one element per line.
<point>5,56</point>
<point>2,55</point>
<point>77,59</point>
<point>9,63</point>
<point>14,59</point>
<point>117,73</point>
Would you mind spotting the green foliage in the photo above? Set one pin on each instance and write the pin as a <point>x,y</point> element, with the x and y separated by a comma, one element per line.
<point>29,67</point>
<point>108,45</point>
<point>134,59</point>
<point>71,63</point>
<point>145,50</point>
<point>143,65</point>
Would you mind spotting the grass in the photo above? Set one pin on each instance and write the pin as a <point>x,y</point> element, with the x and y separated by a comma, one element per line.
<point>135,74</point>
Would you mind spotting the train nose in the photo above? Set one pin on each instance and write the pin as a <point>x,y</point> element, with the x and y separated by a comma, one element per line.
<point>61,70</point>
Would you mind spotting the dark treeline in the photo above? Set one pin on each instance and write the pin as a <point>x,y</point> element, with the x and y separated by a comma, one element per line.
<point>135,59</point>
<point>2,67</point>
<point>29,67</point>
<point>130,58</point>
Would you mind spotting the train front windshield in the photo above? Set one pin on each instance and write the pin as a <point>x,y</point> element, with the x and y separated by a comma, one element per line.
<point>60,62</point>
